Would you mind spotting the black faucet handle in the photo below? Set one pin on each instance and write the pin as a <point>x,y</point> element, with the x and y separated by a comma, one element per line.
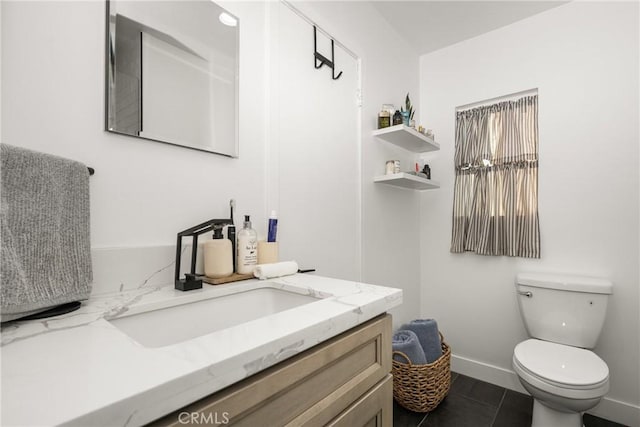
<point>190,282</point>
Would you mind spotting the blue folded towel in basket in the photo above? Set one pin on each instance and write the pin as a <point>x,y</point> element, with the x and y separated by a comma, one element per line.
<point>427,332</point>
<point>407,342</point>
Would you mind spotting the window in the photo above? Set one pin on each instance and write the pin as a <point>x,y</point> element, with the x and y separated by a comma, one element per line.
<point>495,202</point>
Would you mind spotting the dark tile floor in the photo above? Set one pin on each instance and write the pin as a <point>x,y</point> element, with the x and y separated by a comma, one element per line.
<point>474,403</point>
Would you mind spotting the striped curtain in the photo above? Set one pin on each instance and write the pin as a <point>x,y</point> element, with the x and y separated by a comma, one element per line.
<point>495,202</point>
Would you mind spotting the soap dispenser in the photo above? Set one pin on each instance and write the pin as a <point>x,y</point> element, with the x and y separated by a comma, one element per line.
<point>218,255</point>
<point>247,246</point>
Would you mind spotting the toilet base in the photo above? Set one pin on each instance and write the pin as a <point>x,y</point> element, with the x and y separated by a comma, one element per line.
<point>544,416</point>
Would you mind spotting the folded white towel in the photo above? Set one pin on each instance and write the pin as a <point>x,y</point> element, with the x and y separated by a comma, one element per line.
<point>277,269</point>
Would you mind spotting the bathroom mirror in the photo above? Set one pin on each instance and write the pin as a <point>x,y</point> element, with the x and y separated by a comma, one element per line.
<point>172,73</point>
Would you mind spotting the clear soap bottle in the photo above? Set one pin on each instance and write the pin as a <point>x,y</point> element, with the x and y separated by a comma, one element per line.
<point>247,257</point>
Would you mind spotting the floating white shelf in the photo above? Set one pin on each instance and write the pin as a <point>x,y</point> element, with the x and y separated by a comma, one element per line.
<point>407,138</point>
<point>406,180</point>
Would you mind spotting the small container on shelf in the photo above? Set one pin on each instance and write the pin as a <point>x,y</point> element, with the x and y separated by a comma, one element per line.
<point>405,117</point>
<point>397,118</point>
<point>392,166</point>
<point>427,171</point>
<point>384,119</point>
<point>390,108</point>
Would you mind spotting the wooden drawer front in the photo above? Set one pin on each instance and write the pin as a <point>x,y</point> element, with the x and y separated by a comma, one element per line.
<point>374,409</point>
<point>311,388</point>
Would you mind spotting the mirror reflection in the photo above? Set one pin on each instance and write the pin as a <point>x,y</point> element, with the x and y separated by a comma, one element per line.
<point>172,73</point>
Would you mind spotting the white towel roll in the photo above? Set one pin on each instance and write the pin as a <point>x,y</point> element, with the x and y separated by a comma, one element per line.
<point>277,269</point>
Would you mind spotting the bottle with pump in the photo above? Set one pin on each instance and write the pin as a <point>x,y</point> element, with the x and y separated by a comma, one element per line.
<point>218,255</point>
<point>247,257</point>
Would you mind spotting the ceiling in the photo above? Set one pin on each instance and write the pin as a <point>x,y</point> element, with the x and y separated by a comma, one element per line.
<point>432,25</point>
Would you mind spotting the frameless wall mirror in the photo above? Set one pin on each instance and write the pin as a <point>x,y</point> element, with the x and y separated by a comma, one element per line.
<point>172,73</point>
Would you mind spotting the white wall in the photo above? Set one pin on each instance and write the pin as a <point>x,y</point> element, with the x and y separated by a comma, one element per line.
<point>390,216</point>
<point>315,145</point>
<point>143,192</point>
<point>583,58</point>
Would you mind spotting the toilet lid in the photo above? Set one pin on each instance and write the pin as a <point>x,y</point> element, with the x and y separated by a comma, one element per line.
<point>562,364</point>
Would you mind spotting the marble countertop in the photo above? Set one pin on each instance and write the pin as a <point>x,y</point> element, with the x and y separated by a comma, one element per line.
<point>79,369</point>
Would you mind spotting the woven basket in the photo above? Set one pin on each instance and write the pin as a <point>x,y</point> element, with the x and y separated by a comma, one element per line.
<point>420,388</point>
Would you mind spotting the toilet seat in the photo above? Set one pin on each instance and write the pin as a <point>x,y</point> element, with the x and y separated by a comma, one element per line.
<point>561,369</point>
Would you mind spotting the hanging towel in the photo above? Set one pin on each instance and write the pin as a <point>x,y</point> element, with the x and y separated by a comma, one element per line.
<point>408,343</point>
<point>429,337</point>
<point>44,218</point>
<point>277,269</point>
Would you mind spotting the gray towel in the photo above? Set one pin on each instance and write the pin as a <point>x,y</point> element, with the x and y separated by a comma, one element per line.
<point>429,337</point>
<point>407,342</point>
<point>44,216</point>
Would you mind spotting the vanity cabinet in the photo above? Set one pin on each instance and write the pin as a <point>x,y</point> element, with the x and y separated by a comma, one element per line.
<point>344,381</point>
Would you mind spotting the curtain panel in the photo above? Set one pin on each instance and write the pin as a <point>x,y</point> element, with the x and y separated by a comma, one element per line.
<point>495,202</point>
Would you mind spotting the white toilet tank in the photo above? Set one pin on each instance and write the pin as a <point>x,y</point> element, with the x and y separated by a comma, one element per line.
<point>563,309</point>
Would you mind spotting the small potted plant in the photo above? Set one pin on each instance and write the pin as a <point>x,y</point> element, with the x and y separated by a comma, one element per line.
<point>407,112</point>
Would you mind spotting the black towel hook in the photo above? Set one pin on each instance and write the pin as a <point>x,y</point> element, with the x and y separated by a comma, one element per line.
<point>323,59</point>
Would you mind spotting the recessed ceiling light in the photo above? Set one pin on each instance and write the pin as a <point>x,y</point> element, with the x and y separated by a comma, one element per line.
<point>227,19</point>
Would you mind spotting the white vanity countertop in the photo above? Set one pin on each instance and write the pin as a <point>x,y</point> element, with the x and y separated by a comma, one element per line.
<point>79,369</point>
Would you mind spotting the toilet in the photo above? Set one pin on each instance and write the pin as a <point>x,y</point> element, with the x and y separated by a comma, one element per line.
<point>563,316</point>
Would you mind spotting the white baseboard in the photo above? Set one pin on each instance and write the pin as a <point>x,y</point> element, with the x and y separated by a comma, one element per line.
<point>488,373</point>
<point>610,409</point>
<point>618,411</point>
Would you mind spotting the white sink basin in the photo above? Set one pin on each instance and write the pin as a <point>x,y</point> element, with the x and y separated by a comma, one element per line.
<point>179,323</point>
